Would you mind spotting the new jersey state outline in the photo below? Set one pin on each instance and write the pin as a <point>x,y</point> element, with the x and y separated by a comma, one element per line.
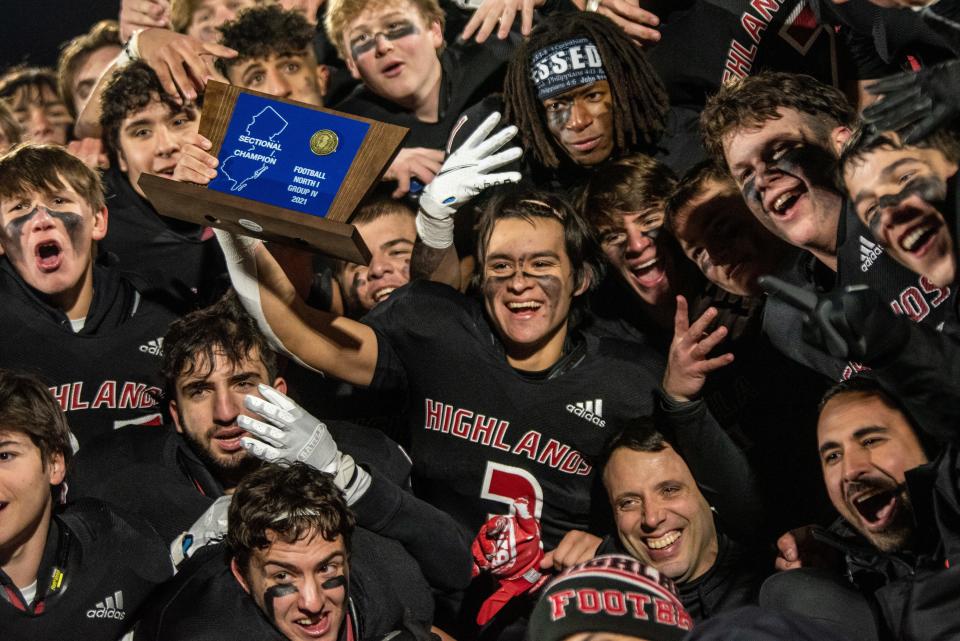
<point>249,164</point>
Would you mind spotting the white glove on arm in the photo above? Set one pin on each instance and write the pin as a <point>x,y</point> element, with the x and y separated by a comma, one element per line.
<point>464,174</point>
<point>209,528</point>
<point>291,434</point>
<point>239,253</point>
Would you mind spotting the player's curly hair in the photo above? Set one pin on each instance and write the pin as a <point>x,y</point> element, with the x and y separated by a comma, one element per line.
<point>752,101</point>
<point>295,501</point>
<point>639,99</point>
<point>262,31</point>
<point>223,328</point>
<point>105,33</point>
<point>129,90</point>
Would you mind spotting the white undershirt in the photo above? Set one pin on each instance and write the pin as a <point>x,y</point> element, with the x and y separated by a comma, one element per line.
<point>28,593</point>
<point>77,324</point>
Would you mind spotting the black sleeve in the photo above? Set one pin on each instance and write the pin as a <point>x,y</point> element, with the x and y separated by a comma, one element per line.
<point>867,63</point>
<point>925,376</point>
<point>718,465</point>
<point>431,536</point>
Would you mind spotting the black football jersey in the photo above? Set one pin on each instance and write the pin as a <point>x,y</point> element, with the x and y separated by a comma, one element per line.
<point>98,570</point>
<point>481,433</point>
<point>106,375</point>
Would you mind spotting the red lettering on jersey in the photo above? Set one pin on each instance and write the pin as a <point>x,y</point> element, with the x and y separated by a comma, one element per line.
<point>149,397</point>
<point>483,429</point>
<point>639,602</point>
<point>558,603</point>
<point>75,402</point>
<point>553,453</point>
<point>739,60</point>
<point>666,613</point>
<point>684,622</point>
<point>754,26</point>
<point>571,463</point>
<point>106,395</point>
<point>529,445</point>
<point>61,394</point>
<point>613,602</point>
<point>461,426</point>
<point>943,293</point>
<point>766,8</point>
<point>498,436</point>
<point>588,600</point>
<point>447,412</point>
<point>432,419</point>
<point>130,394</point>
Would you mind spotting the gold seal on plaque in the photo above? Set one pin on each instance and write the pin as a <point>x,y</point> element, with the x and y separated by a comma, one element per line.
<point>324,142</point>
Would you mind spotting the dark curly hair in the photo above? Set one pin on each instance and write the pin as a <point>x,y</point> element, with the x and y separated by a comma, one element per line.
<point>263,31</point>
<point>294,501</point>
<point>639,99</point>
<point>223,328</point>
<point>130,89</point>
<point>754,100</point>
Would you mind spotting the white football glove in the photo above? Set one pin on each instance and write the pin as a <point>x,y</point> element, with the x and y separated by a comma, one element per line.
<point>209,528</point>
<point>464,174</point>
<point>292,434</point>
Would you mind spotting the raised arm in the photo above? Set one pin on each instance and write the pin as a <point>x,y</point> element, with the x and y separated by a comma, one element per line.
<point>319,340</point>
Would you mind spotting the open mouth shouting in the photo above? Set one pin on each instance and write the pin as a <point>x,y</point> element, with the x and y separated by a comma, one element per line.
<point>49,256</point>
<point>648,273</point>
<point>314,626</point>
<point>876,507</point>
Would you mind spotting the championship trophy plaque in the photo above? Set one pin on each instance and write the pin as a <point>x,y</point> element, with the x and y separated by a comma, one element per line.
<point>289,172</point>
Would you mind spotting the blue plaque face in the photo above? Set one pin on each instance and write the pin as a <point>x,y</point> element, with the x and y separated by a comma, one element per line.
<point>286,155</point>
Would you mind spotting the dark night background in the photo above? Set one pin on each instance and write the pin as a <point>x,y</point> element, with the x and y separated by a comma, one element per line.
<point>33,30</point>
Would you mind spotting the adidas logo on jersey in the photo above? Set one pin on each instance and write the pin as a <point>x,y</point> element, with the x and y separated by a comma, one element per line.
<point>154,347</point>
<point>109,608</point>
<point>591,411</point>
<point>869,252</point>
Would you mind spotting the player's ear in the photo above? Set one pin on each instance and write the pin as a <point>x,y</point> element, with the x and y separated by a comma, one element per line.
<point>175,415</point>
<point>280,385</point>
<point>238,575</point>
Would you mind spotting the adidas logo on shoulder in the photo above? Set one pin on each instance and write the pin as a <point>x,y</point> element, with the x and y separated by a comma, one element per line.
<point>590,411</point>
<point>154,346</point>
<point>109,608</point>
<point>869,253</point>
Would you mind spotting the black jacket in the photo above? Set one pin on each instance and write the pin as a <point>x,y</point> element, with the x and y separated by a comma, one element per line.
<point>107,374</point>
<point>98,570</point>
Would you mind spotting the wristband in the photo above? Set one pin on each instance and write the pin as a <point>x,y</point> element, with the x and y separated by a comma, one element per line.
<point>434,232</point>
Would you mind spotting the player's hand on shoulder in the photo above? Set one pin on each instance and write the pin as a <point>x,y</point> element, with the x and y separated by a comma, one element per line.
<point>688,363</point>
<point>491,13</point>
<point>636,22</point>
<point>196,164</point>
<point>576,546</point>
<point>183,64</point>
<point>413,162</point>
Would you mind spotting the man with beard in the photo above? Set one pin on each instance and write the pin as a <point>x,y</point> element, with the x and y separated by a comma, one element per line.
<point>89,330</point>
<point>899,530</point>
<point>780,135</point>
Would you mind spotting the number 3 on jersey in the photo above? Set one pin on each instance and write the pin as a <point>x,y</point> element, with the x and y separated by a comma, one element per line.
<point>504,483</point>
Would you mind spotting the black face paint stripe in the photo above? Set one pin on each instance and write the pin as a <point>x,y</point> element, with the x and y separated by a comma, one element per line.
<point>402,30</point>
<point>333,583</point>
<point>73,223</point>
<point>276,592</point>
<point>560,116</point>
